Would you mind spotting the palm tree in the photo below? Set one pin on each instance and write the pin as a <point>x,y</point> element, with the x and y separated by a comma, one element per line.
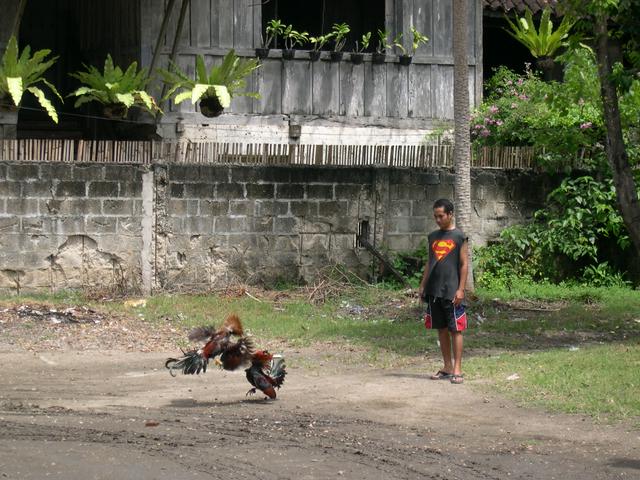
<point>462,139</point>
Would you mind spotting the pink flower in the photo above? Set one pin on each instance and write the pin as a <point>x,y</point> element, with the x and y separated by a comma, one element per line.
<point>509,82</point>
<point>586,125</point>
<point>513,105</point>
<point>485,133</point>
<point>477,126</point>
<point>493,109</point>
<point>522,96</point>
<point>520,81</point>
<point>499,122</point>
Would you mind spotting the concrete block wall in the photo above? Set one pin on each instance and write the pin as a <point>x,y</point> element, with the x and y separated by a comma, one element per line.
<point>69,226</point>
<point>195,227</point>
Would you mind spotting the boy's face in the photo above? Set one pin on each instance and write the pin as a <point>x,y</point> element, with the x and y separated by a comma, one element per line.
<point>443,219</point>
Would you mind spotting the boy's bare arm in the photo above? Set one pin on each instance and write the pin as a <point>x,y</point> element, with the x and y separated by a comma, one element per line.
<point>464,269</point>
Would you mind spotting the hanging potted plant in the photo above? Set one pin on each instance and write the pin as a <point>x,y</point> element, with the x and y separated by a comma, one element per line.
<point>339,32</point>
<point>115,89</point>
<point>214,89</point>
<point>418,39</point>
<point>380,55</point>
<point>274,29</point>
<point>357,56</point>
<point>318,43</point>
<point>291,39</point>
<point>20,73</point>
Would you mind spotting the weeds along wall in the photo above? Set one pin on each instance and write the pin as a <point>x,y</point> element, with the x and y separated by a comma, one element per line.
<point>143,228</point>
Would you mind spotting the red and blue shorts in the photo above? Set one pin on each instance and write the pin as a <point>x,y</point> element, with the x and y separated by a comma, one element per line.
<point>442,313</point>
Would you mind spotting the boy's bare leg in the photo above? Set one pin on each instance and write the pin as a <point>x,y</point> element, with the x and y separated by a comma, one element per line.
<point>445,348</point>
<point>457,352</point>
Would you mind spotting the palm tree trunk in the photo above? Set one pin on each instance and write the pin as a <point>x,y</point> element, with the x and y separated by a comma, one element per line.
<point>617,157</point>
<point>462,139</point>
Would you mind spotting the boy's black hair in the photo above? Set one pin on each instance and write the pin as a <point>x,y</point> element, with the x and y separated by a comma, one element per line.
<point>443,202</point>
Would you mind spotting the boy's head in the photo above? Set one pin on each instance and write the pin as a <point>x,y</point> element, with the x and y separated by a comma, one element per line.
<point>443,213</point>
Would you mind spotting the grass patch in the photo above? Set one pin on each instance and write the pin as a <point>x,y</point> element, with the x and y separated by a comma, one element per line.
<point>601,381</point>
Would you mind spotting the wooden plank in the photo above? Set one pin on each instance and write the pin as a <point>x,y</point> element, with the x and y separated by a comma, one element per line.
<point>443,28</point>
<point>269,86</point>
<point>442,91</point>
<point>200,23</point>
<point>423,21</point>
<point>225,19</point>
<point>326,88</point>
<point>397,90</point>
<point>214,26</point>
<point>375,91</point>
<point>243,23</point>
<point>419,102</point>
<point>351,89</point>
<point>296,87</point>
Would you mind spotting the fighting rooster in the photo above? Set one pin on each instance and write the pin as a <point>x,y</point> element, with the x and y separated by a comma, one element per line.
<point>196,361</point>
<point>264,371</point>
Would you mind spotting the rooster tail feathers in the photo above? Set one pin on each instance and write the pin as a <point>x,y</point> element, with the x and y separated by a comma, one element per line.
<point>233,325</point>
<point>278,370</point>
<point>199,334</point>
<point>191,363</point>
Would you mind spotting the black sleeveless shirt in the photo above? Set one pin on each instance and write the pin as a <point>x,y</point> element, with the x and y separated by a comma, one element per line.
<point>444,263</point>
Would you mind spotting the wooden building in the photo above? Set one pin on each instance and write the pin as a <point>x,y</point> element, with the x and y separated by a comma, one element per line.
<point>301,101</point>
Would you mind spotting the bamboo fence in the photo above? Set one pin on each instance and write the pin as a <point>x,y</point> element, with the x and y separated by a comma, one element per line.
<point>189,152</point>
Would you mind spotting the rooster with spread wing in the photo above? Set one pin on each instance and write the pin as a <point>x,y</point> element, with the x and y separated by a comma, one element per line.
<point>264,371</point>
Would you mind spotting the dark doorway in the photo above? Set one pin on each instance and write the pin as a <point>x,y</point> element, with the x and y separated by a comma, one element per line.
<point>77,32</point>
<point>499,48</point>
<point>318,16</point>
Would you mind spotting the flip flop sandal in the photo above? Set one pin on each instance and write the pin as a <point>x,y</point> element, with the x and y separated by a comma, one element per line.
<point>441,375</point>
<point>456,379</point>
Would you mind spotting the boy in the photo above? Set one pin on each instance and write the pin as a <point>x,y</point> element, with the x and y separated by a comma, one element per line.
<point>442,288</point>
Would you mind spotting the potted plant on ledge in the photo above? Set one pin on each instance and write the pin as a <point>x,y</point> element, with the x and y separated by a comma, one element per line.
<point>380,55</point>
<point>274,29</point>
<point>291,39</point>
<point>115,89</point>
<point>358,55</point>
<point>339,32</point>
<point>418,39</point>
<point>21,73</point>
<point>318,43</point>
<point>214,89</point>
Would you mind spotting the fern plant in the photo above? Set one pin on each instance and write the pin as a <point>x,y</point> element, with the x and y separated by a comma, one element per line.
<point>213,89</point>
<point>544,41</point>
<point>115,89</point>
<point>21,72</point>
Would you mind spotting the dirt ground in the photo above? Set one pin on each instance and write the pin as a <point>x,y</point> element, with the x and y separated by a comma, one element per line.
<point>82,401</point>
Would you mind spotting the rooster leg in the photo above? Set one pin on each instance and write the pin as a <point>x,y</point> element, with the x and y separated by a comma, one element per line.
<point>251,391</point>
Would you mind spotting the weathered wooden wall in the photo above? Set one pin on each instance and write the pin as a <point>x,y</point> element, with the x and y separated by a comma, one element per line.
<point>341,92</point>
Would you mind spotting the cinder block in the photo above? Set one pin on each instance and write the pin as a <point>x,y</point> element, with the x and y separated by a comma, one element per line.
<point>103,189</point>
<point>332,209</point>
<point>22,206</point>
<point>422,178</point>
<point>271,208</point>
<point>24,171</point>
<point>213,173</point>
<point>177,190</point>
<point>99,224</point>
<point>69,225</point>
<point>57,171</point>
<point>3,172</point>
<point>12,189</point>
<point>32,225</point>
<point>232,225</point>
<point>320,192</point>
<point>177,207</point>
<point>117,207</point>
<point>260,190</point>
<point>214,208</point>
<point>130,189</point>
<point>285,225</point>
<point>229,191</point>
<point>314,244</point>
<point>290,190</point>
<point>124,173</point>
<point>198,190</point>
<point>241,207</point>
<point>399,208</point>
<point>71,189</point>
<point>305,208</point>
<point>263,224</point>
<point>398,243</point>
<point>79,206</point>
<point>260,174</point>
<point>90,172</point>
<point>202,225</point>
<point>131,225</point>
<point>351,192</point>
